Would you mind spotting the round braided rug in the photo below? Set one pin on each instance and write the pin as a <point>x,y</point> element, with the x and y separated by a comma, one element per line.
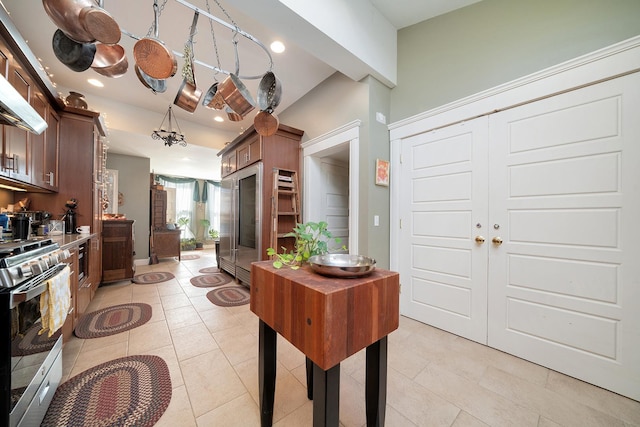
<point>229,296</point>
<point>189,257</point>
<point>32,342</point>
<point>129,391</point>
<point>210,280</point>
<point>209,270</point>
<point>113,320</point>
<point>152,277</point>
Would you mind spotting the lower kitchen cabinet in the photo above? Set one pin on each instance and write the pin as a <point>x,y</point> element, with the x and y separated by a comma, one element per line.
<point>117,250</point>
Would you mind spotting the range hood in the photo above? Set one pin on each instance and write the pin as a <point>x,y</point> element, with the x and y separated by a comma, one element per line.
<point>16,111</point>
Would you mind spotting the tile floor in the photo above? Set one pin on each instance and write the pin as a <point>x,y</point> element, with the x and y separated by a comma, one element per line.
<point>434,379</point>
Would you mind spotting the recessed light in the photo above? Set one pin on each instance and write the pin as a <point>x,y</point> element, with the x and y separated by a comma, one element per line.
<point>218,119</point>
<point>277,46</point>
<point>95,82</point>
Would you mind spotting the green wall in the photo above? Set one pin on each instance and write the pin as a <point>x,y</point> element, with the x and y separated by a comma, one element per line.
<point>133,183</point>
<point>496,41</point>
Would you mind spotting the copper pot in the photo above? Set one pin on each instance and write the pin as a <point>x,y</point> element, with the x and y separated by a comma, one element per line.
<point>233,116</point>
<point>236,95</point>
<point>83,20</point>
<point>152,56</point>
<point>65,13</point>
<point>189,95</point>
<point>212,98</point>
<point>110,60</point>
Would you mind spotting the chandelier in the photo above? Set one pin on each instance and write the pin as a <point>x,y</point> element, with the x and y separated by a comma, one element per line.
<point>171,136</point>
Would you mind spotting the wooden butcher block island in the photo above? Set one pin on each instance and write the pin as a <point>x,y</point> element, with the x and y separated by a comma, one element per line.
<point>328,319</point>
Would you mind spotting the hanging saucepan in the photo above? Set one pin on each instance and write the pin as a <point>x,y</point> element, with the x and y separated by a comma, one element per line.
<point>156,85</point>
<point>110,60</point>
<point>152,56</point>
<point>189,95</point>
<point>76,56</point>
<point>213,99</point>
<point>265,123</point>
<point>233,116</point>
<point>65,13</point>
<point>269,92</point>
<point>236,95</point>
<point>234,92</point>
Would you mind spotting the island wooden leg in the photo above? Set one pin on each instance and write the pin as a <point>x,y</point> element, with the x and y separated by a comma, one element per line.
<point>309,368</point>
<point>267,339</point>
<point>376,383</point>
<point>326,396</point>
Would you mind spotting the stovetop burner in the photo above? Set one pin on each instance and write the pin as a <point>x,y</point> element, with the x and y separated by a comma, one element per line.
<point>14,247</point>
<point>20,260</point>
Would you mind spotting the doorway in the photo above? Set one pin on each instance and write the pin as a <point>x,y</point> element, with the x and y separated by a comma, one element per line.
<point>330,182</point>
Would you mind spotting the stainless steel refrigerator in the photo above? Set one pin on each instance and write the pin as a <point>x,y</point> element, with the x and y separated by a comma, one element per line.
<point>240,222</point>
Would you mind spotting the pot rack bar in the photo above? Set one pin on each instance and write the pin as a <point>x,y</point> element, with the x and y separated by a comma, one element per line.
<point>232,27</point>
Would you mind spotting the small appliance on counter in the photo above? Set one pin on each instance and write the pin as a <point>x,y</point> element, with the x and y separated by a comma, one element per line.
<point>20,226</point>
<point>70,216</point>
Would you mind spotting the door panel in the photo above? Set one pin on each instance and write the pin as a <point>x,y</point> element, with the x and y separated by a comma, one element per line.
<point>335,200</point>
<point>444,207</point>
<point>564,285</point>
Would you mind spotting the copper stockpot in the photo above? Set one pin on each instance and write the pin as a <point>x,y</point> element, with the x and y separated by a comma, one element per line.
<point>110,60</point>
<point>236,95</point>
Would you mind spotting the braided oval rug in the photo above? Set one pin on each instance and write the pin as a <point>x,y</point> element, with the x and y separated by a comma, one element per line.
<point>129,391</point>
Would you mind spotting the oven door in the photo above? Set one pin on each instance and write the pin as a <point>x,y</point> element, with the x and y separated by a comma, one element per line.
<point>35,360</point>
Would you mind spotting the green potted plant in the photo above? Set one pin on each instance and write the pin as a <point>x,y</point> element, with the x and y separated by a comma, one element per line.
<point>311,238</point>
<point>187,244</point>
<point>214,234</point>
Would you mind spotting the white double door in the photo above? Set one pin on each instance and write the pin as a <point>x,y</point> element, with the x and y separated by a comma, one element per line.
<point>521,230</point>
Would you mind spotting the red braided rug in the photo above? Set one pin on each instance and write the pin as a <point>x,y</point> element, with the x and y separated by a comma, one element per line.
<point>229,296</point>
<point>130,391</point>
<point>210,280</point>
<point>113,320</point>
<point>209,270</point>
<point>32,342</point>
<point>152,277</point>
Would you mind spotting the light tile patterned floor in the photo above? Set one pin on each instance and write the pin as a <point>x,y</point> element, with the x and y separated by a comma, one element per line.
<point>435,378</point>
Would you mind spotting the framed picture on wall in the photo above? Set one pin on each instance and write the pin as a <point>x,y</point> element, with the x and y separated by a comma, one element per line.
<point>382,172</point>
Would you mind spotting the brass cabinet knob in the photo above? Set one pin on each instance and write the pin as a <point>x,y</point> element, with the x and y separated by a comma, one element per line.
<point>479,240</point>
<point>497,241</point>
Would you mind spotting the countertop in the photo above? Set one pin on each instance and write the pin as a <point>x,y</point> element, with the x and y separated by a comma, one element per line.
<point>67,241</point>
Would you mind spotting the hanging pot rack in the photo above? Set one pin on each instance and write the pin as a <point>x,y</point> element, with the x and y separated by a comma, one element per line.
<point>222,22</point>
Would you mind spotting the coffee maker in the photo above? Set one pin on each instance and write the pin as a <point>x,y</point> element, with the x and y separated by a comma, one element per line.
<point>70,216</point>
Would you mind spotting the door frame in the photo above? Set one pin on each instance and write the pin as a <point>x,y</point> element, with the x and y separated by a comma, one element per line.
<point>346,136</point>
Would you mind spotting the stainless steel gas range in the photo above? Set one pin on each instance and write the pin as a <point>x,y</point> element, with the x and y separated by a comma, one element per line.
<point>30,364</point>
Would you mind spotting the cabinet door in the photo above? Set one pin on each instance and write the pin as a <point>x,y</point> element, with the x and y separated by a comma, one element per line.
<point>38,142</point>
<point>16,143</point>
<point>228,163</point>
<point>51,144</point>
<point>250,152</point>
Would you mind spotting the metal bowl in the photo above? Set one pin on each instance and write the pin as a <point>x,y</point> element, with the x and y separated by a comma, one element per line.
<point>342,265</point>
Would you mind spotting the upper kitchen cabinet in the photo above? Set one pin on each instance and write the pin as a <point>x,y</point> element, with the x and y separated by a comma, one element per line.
<point>44,147</point>
<point>15,150</point>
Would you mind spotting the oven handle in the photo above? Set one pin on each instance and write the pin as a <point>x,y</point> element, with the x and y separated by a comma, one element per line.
<point>19,296</point>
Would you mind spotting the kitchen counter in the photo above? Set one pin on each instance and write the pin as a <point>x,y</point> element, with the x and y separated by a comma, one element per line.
<point>69,240</point>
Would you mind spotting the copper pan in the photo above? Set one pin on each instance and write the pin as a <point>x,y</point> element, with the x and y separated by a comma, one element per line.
<point>233,116</point>
<point>236,95</point>
<point>152,56</point>
<point>77,56</point>
<point>189,95</point>
<point>212,98</point>
<point>110,60</point>
<point>100,24</point>
<point>65,13</point>
<point>265,123</point>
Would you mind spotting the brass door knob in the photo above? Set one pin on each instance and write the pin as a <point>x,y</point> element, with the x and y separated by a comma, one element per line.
<point>497,241</point>
<point>479,240</point>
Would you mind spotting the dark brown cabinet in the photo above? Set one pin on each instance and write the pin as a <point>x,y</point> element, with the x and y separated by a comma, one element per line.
<point>117,250</point>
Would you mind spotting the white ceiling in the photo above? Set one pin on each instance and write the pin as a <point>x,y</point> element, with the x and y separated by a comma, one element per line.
<point>132,111</point>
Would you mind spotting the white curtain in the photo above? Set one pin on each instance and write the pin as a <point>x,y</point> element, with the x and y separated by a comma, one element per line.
<point>212,205</point>
<point>185,206</point>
